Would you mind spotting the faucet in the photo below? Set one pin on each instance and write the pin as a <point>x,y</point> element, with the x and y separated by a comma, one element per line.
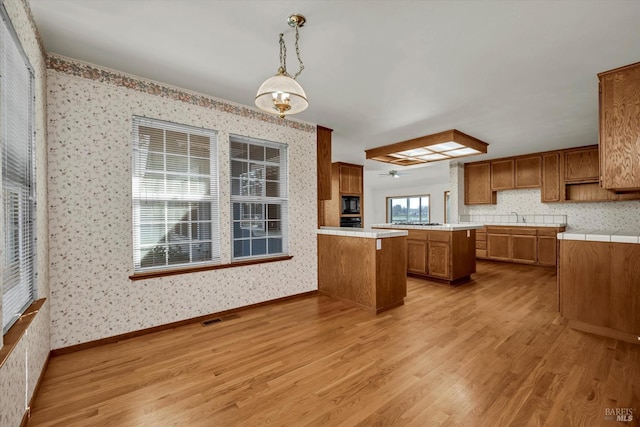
<point>516,214</point>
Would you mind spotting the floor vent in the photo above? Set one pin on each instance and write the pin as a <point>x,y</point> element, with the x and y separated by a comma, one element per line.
<point>219,319</point>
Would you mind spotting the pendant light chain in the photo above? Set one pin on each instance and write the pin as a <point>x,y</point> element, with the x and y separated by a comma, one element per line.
<point>298,54</point>
<point>283,55</point>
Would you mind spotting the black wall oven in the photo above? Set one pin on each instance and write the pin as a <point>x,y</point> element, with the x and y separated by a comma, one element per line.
<point>353,221</point>
<point>350,205</point>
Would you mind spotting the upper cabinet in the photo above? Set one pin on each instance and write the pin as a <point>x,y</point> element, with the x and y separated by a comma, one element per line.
<point>620,128</point>
<point>350,178</point>
<point>581,165</point>
<point>323,149</point>
<point>528,172</point>
<point>477,184</point>
<point>551,190</point>
<point>502,175</point>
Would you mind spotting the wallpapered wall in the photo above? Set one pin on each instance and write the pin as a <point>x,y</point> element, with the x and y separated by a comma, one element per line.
<point>20,372</point>
<point>595,216</point>
<point>90,149</point>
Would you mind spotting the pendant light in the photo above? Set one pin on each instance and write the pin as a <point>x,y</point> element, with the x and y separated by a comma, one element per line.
<point>282,94</point>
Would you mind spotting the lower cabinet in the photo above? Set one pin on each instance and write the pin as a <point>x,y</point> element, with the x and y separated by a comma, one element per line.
<point>523,245</point>
<point>431,254</point>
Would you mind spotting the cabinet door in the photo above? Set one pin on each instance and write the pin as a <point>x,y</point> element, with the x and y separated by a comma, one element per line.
<point>417,256</point>
<point>323,151</point>
<point>620,128</point>
<point>551,187</point>
<point>547,250</point>
<point>499,246</point>
<point>581,165</point>
<point>524,249</point>
<point>528,172</point>
<point>350,179</point>
<point>439,260</point>
<point>502,175</point>
<point>345,179</point>
<point>356,179</point>
<point>477,184</point>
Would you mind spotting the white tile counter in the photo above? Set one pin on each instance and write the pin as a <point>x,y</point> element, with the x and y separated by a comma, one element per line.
<point>443,227</point>
<point>366,233</point>
<point>615,236</point>
<point>525,224</point>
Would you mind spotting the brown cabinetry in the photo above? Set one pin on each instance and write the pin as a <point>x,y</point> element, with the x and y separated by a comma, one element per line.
<point>528,172</point>
<point>551,191</point>
<point>350,178</point>
<point>346,179</point>
<point>481,243</point>
<point>477,184</point>
<point>598,286</point>
<point>581,165</point>
<point>620,128</point>
<point>523,245</point>
<point>502,175</point>
<point>323,151</point>
<point>443,255</point>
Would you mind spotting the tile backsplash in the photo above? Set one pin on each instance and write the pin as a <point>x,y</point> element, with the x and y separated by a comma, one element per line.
<point>514,218</point>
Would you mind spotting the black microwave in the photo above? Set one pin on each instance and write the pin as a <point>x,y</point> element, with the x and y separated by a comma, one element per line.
<point>350,205</point>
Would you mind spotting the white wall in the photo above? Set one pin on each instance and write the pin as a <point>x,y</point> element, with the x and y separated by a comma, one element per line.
<point>432,180</point>
<point>90,110</point>
<point>21,370</point>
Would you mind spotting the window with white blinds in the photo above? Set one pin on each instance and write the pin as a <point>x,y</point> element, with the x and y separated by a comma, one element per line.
<point>175,195</point>
<point>259,201</point>
<point>18,172</point>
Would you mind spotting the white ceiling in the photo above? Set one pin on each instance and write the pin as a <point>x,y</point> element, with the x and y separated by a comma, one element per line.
<point>520,75</point>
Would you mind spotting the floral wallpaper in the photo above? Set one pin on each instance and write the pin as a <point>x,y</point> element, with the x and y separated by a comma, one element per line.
<point>20,372</point>
<point>90,156</point>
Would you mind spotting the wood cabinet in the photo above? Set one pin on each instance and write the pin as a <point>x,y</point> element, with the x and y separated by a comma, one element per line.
<point>444,255</point>
<point>502,175</point>
<point>344,176</point>
<point>522,244</point>
<point>477,184</point>
<point>581,165</point>
<point>355,270</point>
<point>323,151</point>
<point>350,178</point>
<point>551,191</point>
<point>620,128</point>
<point>528,172</point>
<point>481,243</point>
<point>598,287</point>
<point>417,256</point>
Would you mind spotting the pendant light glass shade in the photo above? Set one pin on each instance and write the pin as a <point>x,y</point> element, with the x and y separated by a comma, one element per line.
<point>282,95</point>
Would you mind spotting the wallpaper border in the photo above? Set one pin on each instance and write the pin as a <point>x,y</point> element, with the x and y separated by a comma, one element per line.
<point>84,70</point>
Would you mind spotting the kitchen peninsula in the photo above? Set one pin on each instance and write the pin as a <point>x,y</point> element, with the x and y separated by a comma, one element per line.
<point>363,267</point>
<point>444,252</point>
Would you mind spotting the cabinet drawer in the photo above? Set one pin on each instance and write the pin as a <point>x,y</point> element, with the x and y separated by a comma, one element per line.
<point>524,231</point>
<point>418,234</point>
<point>498,230</point>
<point>439,236</point>
<point>481,244</point>
<point>482,235</point>
<point>548,231</point>
<point>481,253</point>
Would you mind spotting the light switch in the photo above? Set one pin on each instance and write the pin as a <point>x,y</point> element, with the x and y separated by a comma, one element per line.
<point>468,233</point>
<point>378,244</point>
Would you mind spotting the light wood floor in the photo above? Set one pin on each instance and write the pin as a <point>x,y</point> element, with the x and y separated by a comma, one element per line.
<point>490,353</point>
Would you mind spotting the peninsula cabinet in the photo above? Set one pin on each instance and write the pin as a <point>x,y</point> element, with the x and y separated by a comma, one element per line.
<point>598,287</point>
<point>620,128</point>
<point>477,184</point>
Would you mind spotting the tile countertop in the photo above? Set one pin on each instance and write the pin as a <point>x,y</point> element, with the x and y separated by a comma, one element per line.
<point>524,224</point>
<point>615,236</point>
<point>443,227</point>
<point>366,233</point>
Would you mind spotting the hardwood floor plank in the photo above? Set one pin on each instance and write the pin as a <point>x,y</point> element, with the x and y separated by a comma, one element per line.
<point>491,352</point>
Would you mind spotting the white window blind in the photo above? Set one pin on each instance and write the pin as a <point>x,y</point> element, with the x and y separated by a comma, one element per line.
<point>18,171</point>
<point>175,195</point>
<point>259,198</point>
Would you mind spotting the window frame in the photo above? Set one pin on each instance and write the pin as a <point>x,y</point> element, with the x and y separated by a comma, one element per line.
<point>171,200</point>
<point>24,292</point>
<point>389,207</point>
<point>265,221</point>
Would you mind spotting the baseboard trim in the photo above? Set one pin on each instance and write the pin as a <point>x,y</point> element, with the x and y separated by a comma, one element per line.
<point>604,331</point>
<point>198,319</point>
<point>36,390</point>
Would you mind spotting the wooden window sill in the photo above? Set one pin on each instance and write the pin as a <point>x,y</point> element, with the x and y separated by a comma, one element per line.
<point>173,272</point>
<point>13,335</point>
